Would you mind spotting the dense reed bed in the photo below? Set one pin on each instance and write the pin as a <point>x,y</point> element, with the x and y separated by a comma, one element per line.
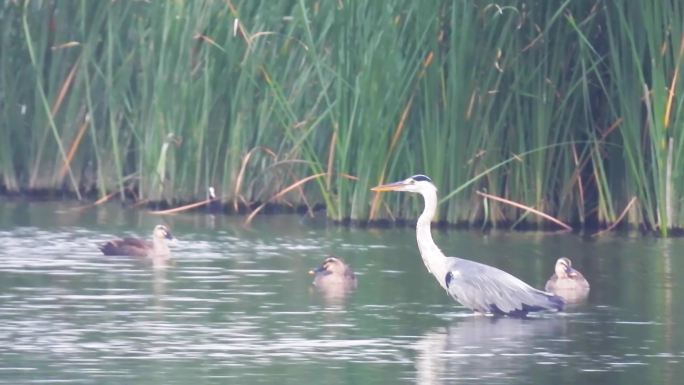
<point>569,108</point>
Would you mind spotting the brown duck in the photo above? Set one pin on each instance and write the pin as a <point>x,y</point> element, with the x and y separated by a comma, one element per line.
<point>333,272</point>
<point>567,282</point>
<point>156,248</point>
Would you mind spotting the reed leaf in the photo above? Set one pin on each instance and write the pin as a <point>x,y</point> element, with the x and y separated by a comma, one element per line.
<point>568,108</point>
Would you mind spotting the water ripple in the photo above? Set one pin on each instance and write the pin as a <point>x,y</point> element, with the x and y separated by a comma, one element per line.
<point>243,308</point>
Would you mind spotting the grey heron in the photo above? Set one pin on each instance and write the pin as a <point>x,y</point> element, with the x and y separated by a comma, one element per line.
<point>155,249</point>
<point>567,282</point>
<point>333,271</point>
<point>480,287</point>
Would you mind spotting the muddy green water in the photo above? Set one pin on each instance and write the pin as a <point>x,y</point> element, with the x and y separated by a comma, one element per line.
<point>237,306</point>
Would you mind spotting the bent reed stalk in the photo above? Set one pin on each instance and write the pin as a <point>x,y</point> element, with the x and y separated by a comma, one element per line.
<point>568,108</point>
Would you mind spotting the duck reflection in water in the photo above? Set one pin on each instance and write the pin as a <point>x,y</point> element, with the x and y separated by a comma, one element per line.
<point>568,282</point>
<point>334,278</point>
<point>483,349</point>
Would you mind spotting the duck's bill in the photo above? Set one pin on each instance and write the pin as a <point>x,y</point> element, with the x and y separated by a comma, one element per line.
<point>389,186</point>
<point>316,270</point>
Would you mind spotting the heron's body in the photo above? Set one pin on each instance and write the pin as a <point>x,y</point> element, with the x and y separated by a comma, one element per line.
<point>477,286</point>
<point>487,289</point>
<point>157,248</point>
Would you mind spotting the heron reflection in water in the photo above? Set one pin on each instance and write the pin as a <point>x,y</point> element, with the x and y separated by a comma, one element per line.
<point>484,349</point>
<point>482,288</point>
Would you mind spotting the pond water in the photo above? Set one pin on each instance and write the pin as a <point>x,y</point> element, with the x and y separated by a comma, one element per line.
<point>237,306</point>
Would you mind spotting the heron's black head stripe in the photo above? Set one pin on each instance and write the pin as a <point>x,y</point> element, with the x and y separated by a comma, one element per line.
<point>421,177</point>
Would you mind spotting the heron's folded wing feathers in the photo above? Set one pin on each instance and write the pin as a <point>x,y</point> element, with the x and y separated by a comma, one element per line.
<point>487,289</point>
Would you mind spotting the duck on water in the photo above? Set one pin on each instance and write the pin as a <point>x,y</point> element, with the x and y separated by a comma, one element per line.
<point>156,249</point>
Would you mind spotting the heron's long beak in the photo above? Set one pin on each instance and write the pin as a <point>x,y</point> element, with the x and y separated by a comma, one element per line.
<point>389,186</point>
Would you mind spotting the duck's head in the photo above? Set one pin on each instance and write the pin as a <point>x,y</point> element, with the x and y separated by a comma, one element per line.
<point>331,265</point>
<point>564,267</point>
<point>161,232</point>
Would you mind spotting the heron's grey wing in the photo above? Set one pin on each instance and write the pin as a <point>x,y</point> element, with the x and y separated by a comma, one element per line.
<point>487,289</point>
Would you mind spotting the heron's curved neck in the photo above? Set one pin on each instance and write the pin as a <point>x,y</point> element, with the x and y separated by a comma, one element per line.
<point>431,254</point>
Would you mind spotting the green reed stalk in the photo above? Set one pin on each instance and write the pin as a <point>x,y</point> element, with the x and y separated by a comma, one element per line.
<point>567,107</point>
<point>643,63</point>
<point>44,102</point>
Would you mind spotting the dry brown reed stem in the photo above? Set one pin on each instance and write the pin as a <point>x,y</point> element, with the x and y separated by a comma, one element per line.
<point>73,148</point>
<point>576,176</point>
<point>241,174</point>
<point>97,202</point>
<point>670,97</point>
<point>622,215</point>
<point>395,138</point>
<point>53,111</point>
<point>181,208</point>
<point>281,193</point>
<point>64,89</point>
<point>331,159</point>
<point>397,133</point>
<point>55,107</point>
<point>526,208</point>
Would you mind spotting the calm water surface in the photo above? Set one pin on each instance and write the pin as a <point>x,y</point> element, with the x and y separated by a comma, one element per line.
<point>237,307</point>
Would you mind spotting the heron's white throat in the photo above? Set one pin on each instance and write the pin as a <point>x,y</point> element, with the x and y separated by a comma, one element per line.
<point>434,259</point>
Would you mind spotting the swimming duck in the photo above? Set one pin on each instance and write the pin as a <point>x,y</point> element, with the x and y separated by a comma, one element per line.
<point>156,248</point>
<point>333,272</point>
<point>566,281</point>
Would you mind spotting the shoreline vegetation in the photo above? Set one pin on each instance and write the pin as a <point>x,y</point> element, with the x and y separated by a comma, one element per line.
<point>520,111</point>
